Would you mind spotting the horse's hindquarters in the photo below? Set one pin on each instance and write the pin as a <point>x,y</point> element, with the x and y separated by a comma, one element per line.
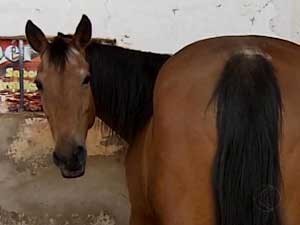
<point>185,135</point>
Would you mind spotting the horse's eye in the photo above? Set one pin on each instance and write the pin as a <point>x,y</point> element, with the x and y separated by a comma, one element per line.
<point>86,80</point>
<point>39,85</point>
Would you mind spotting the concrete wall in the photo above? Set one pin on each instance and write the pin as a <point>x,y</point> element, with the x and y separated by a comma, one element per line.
<point>156,25</point>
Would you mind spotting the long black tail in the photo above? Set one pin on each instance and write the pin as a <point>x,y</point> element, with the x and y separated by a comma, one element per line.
<point>247,169</point>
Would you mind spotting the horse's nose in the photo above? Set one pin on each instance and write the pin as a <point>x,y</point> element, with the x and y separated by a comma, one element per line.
<point>73,162</point>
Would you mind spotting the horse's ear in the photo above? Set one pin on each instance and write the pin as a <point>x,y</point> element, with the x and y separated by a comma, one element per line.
<point>36,37</point>
<point>83,32</point>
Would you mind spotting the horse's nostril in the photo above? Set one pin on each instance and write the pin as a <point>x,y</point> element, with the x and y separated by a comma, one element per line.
<point>57,160</point>
<point>80,153</point>
<point>55,157</point>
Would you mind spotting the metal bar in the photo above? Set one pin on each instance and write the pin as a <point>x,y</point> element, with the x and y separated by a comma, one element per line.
<point>21,79</point>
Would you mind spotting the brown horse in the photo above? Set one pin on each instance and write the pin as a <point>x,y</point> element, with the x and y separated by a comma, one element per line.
<point>206,147</point>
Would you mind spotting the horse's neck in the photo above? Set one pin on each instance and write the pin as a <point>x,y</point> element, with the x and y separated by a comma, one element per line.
<point>122,84</point>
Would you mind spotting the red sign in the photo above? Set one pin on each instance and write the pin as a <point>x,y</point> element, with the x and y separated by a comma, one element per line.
<point>10,74</point>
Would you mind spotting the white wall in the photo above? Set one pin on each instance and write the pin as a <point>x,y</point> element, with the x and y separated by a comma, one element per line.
<point>156,25</point>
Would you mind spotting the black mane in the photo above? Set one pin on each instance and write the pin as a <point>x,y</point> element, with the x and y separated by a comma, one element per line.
<point>122,82</point>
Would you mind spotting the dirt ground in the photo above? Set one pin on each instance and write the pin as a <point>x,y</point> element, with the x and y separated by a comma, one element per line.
<point>32,191</point>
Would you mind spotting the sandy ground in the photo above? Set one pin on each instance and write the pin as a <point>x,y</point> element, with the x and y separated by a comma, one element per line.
<point>32,191</point>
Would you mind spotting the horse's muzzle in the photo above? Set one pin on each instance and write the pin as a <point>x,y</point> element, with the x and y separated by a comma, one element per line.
<point>74,166</point>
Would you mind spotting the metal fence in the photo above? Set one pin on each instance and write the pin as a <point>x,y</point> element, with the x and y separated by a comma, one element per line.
<point>20,60</point>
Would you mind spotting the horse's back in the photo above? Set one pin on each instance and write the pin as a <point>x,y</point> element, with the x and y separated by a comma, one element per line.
<point>184,133</point>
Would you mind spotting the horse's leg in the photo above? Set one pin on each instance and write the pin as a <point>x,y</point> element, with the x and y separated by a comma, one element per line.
<point>136,219</point>
<point>181,189</point>
<point>136,167</point>
<point>139,218</point>
<point>290,197</point>
<point>140,210</point>
<point>183,204</point>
